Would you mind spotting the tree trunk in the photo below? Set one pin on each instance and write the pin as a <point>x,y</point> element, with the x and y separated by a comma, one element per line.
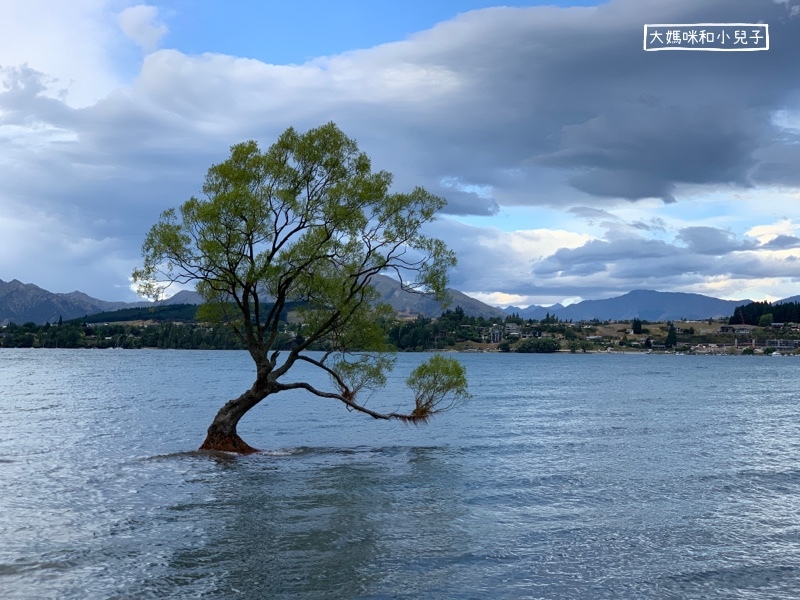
<point>222,434</point>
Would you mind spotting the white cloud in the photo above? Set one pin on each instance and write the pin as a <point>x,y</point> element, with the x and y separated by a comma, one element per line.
<point>767,233</point>
<point>59,250</point>
<point>794,9</point>
<point>71,42</point>
<point>142,24</point>
<point>501,299</point>
<point>496,265</point>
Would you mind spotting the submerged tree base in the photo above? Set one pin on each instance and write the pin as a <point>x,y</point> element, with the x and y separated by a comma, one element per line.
<point>227,443</point>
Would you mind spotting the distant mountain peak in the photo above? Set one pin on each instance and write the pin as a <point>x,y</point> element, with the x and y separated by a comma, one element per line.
<point>24,302</point>
<point>410,303</point>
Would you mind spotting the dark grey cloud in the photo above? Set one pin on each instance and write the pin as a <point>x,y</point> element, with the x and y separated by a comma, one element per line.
<point>713,241</point>
<point>654,224</point>
<point>783,242</point>
<point>591,214</point>
<point>636,152</point>
<point>466,203</point>
<point>618,121</point>
<point>574,261</point>
<point>699,253</point>
<point>777,163</point>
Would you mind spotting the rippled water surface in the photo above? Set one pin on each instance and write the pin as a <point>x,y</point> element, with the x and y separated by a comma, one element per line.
<point>568,476</point>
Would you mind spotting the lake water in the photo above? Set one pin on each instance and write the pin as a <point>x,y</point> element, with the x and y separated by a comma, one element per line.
<point>567,476</point>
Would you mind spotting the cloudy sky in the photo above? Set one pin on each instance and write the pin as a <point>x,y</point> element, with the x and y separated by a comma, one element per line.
<point>575,165</point>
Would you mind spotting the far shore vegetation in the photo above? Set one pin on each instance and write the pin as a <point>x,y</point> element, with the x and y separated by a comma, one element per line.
<point>756,328</point>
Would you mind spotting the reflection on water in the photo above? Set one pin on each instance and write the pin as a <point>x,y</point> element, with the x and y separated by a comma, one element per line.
<point>564,477</point>
<point>313,523</point>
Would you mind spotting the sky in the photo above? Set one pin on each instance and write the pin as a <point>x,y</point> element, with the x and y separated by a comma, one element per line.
<point>575,164</point>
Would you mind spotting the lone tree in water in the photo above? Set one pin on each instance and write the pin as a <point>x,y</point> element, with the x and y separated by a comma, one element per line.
<point>306,222</point>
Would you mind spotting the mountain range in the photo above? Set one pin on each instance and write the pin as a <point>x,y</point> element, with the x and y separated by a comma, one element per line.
<point>21,302</point>
<point>647,305</point>
<point>24,302</point>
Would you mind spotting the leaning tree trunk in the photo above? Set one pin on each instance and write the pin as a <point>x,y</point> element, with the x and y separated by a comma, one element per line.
<point>222,434</point>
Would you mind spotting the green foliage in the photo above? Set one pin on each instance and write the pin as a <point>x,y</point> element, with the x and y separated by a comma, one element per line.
<point>672,336</point>
<point>451,327</point>
<point>751,314</point>
<point>636,325</point>
<point>304,223</point>
<point>748,351</point>
<point>505,346</point>
<point>769,350</point>
<point>170,312</point>
<point>353,373</point>
<point>765,320</point>
<point>539,345</point>
<point>438,384</point>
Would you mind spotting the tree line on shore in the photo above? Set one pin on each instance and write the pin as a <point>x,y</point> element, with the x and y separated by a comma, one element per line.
<point>176,327</point>
<point>764,314</point>
<point>176,336</point>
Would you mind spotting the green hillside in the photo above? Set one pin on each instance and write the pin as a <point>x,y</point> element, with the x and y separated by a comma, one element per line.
<point>181,313</point>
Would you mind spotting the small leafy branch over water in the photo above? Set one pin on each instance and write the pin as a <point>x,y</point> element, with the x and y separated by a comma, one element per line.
<point>307,221</point>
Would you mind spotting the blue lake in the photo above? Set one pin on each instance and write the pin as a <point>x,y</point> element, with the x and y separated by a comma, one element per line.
<point>565,476</point>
